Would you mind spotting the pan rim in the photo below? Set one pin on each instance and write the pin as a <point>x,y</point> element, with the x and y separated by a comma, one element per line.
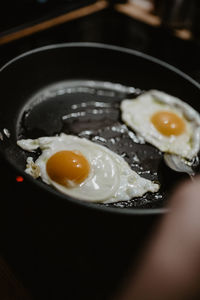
<point>127,211</point>
<point>103,46</point>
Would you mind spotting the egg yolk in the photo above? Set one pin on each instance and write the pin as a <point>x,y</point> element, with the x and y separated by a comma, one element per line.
<point>65,166</point>
<point>168,123</point>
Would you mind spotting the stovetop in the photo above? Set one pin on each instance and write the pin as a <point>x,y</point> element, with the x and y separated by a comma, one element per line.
<point>109,27</point>
<point>20,14</point>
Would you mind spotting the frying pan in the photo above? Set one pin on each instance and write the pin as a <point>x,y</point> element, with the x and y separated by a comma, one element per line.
<point>71,242</point>
<point>33,103</point>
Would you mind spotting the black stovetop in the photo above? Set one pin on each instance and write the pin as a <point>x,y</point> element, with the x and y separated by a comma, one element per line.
<point>109,27</point>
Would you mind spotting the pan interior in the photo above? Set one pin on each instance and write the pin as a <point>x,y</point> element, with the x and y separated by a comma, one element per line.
<point>91,109</point>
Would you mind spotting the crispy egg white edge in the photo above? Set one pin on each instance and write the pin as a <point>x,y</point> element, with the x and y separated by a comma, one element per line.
<point>143,185</point>
<point>190,114</point>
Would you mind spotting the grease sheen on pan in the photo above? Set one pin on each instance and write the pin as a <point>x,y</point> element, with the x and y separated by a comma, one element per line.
<point>104,175</point>
<point>164,121</point>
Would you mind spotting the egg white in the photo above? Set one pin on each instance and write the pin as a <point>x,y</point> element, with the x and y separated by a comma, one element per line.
<point>136,113</point>
<point>110,179</point>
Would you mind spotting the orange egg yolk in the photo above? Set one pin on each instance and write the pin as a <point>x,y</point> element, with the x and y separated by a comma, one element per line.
<point>168,123</point>
<point>65,166</point>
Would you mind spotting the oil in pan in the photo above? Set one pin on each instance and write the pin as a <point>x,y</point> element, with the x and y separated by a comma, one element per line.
<point>91,109</point>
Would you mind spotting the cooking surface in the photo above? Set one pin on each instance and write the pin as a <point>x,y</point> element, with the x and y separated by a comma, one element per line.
<point>111,27</point>
<point>16,15</point>
<point>45,277</point>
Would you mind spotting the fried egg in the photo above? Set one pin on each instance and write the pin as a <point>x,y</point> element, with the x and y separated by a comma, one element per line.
<point>85,170</point>
<point>164,121</point>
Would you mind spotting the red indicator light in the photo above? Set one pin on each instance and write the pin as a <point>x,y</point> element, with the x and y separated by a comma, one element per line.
<point>19,179</point>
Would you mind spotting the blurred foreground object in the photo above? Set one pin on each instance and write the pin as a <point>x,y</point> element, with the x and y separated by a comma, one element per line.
<point>169,267</point>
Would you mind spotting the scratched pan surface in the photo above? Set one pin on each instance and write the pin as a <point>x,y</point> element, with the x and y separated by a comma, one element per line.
<point>77,88</point>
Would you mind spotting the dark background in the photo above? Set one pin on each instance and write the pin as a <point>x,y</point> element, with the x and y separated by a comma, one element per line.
<point>24,247</point>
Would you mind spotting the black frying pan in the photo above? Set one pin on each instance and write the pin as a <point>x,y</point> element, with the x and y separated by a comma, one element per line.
<point>42,88</point>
